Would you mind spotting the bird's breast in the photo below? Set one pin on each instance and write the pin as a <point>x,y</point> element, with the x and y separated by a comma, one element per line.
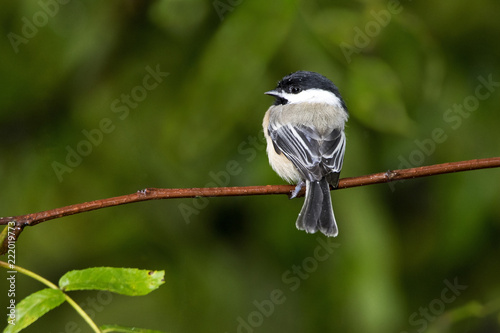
<point>323,117</point>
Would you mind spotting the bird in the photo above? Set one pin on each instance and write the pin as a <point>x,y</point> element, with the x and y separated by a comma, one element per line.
<point>305,137</point>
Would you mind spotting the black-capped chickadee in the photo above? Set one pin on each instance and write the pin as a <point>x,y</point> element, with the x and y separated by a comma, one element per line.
<point>304,129</point>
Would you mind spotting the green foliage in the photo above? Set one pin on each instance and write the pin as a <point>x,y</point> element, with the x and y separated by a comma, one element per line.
<point>33,307</point>
<point>125,281</point>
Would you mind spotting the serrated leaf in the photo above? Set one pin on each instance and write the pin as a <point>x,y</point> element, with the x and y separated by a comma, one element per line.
<point>33,307</point>
<point>125,281</point>
<point>122,329</point>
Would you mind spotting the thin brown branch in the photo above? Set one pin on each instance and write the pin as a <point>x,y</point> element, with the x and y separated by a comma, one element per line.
<point>22,221</point>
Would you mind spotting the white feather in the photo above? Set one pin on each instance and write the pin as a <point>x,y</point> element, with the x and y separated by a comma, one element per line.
<point>312,96</point>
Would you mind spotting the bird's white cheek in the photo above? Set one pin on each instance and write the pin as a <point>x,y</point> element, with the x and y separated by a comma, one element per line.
<point>313,96</point>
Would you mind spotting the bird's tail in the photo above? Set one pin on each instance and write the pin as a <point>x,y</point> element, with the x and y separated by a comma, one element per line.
<point>317,212</point>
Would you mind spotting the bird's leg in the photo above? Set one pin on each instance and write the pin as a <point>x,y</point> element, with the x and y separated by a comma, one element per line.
<point>297,190</point>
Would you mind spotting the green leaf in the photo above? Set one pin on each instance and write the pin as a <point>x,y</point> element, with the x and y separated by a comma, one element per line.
<point>121,329</point>
<point>125,281</point>
<point>33,307</point>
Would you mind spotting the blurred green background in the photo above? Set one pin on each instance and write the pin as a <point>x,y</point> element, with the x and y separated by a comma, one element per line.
<point>83,118</point>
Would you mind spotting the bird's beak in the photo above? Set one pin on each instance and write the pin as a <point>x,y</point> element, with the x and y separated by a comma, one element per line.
<point>274,93</point>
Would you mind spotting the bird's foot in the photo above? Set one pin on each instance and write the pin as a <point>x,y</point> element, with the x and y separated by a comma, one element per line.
<point>297,189</point>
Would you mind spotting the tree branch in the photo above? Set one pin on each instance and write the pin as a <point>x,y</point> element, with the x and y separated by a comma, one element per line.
<point>22,221</point>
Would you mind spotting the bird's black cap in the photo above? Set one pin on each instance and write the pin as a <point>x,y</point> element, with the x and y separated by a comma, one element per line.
<point>299,81</point>
<point>302,80</point>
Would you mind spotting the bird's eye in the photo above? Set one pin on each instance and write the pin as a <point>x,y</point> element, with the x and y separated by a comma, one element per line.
<point>295,90</point>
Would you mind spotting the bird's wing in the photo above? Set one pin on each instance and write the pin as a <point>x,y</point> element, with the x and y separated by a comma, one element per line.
<point>313,155</point>
<point>332,150</point>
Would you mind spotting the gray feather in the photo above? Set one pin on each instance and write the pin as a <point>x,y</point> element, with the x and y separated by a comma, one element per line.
<point>318,159</point>
<point>317,213</point>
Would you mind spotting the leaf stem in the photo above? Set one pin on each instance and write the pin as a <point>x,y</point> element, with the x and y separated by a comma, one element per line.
<point>82,313</point>
<point>29,273</point>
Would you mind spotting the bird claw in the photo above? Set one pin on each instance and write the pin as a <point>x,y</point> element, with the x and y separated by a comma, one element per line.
<point>297,189</point>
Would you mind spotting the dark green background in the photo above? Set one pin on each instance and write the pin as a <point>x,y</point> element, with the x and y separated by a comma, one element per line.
<point>401,68</point>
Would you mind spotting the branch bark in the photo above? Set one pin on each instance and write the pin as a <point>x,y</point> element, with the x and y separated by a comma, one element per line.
<point>22,221</point>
